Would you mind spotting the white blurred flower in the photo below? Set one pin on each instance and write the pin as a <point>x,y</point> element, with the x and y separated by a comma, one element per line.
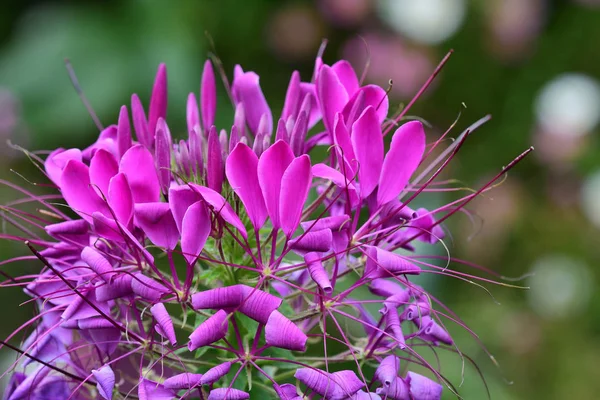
<point>569,105</point>
<point>425,21</point>
<point>560,286</point>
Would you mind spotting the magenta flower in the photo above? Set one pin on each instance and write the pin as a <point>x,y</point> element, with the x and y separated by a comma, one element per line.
<point>242,241</point>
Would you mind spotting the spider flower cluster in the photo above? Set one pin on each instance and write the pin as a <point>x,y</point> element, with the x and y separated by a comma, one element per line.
<point>237,263</point>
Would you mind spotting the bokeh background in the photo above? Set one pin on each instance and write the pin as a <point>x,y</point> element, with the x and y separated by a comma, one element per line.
<point>533,64</point>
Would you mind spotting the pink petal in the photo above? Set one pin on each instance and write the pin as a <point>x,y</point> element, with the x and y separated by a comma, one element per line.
<point>97,263</point>
<point>215,373</point>
<point>319,241</point>
<point>283,333</point>
<point>347,76</point>
<point>241,169</point>
<point>195,146</point>
<point>298,136</point>
<point>271,167</point>
<point>295,185</point>
<point>102,167</point>
<point>341,138</point>
<point>332,95</point>
<point>57,160</point>
<point>370,95</point>
<point>246,90</point>
<point>195,229</point>
<point>180,199</point>
<point>326,172</point>
<point>158,100</point>
<point>210,331</point>
<point>140,124</point>
<point>138,165</point>
<point>382,263</point>
<point>77,192</point>
<point>220,207</point>
<point>401,161</point>
<point>124,141</point>
<point>163,319</point>
<point>335,223</point>
<point>208,96</point>
<point>192,115</point>
<point>120,198</point>
<point>317,272</point>
<point>367,141</point>
<point>156,220</point>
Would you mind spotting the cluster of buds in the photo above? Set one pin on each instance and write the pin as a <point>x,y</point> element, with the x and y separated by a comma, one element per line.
<point>231,265</point>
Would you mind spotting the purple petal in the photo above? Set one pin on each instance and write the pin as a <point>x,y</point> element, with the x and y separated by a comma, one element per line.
<point>381,263</point>
<point>123,132</point>
<point>118,288</point>
<point>362,395</point>
<point>417,309</point>
<point>341,137</point>
<point>432,331</point>
<point>246,90</point>
<point>332,95</point>
<point>241,169</point>
<point>26,388</point>
<point>298,136</point>
<point>57,160</point>
<point>163,154</point>
<point>156,220</point>
<point>102,168</point>
<point>195,146</point>
<point>317,272</point>
<point>220,207</point>
<point>196,228</point>
<point>385,288</point>
<point>397,300</point>
<point>292,97</point>
<point>271,167</point>
<point>422,224</point>
<point>401,161</point>
<point>287,391</point>
<point>211,330</point>
<point>208,96</point>
<point>328,173</point>
<point>214,163</point>
<point>423,388</point>
<point>140,124</point>
<point>163,319</point>
<point>120,198</point>
<point>105,378</point>
<point>147,288</point>
<point>150,390</point>
<point>227,394</point>
<point>319,241</point>
<point>239,120</point>
<point>215,373</point>
<point>185,380</point>
<point>282,132</point>
<point>295,185</point>
<point>392,323</point>
<point>76,230</point>
<point>283,333</point>
<point>347,384</point>
<point>367,141</point>
<point>234,138</point>
<point>138,165</point>
<point>97,263</point>
<point>76,190</point>
<point>158,100</point>
<point>191,114</point>
<point>387,371</point>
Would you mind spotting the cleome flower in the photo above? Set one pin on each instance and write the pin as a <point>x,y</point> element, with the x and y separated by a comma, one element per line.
<point>271,258</point>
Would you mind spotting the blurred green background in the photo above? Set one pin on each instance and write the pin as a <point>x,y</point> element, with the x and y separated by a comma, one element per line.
<point>533,64</point>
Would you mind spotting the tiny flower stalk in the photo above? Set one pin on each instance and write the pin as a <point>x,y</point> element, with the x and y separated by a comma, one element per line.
<point>231,263</point>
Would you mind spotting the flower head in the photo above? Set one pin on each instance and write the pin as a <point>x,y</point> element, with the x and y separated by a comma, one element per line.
<point>229,264</point>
